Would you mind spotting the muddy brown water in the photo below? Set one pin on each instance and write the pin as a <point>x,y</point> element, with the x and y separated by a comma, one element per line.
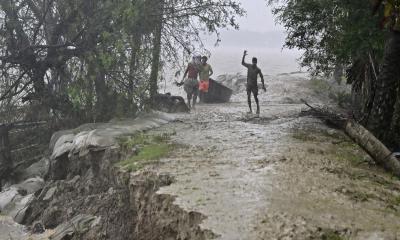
<point>280,176</point>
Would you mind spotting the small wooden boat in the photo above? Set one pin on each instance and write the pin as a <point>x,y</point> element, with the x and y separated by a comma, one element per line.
<point>217,93</point>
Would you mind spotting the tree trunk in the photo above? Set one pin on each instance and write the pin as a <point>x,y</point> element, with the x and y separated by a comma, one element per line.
<point>5,154</point>
<point>102,113</point>
<point>98,76</point>
<point>39,85</point>
<point>386,93</point>
<point>365,139</point>
<point>396,121</point>
<point>135,45</point>
<point>156,50</point>
<point>338,73</point>
<point>375,148</point>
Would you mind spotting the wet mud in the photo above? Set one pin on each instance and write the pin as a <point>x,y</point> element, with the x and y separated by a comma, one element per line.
<point>282,175</point>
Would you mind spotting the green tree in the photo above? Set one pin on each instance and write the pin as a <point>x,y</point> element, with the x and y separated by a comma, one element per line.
<point>346,33</point>
<point>385,115</point>
<point>182,24</point>
<point>329,32</point>
<point>93,60</point>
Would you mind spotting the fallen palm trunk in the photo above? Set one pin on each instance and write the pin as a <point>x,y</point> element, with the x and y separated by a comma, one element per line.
<point>364,138</point>
<point>375,148</point>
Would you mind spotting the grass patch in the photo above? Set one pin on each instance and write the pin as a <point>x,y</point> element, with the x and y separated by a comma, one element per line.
<point>313,135</point>
<point>331,235</point>
<point>339,146</point>
<point>336,136</point>
<point>304,136</point>
<point>350,155</point>
<point>394,202</point>
<point>359,196</point>
<point>147,155</point>
<point>349,151</point>
<point>142,139</point>
<point>146,149</point>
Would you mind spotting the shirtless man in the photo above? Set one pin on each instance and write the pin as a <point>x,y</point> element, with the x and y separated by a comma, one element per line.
<point>252,87</point>
<point>205,73</point>
<point>191,84</point>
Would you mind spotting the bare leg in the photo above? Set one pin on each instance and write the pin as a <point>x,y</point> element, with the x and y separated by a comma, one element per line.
<point>194,99</point>
<point>249,100</point>
<point>201,96</point>
<point>189,96</point>
<point>257,102</point>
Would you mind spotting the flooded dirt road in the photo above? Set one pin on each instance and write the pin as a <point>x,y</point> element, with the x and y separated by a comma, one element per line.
<point>284,175</point>
<point>280,176</point>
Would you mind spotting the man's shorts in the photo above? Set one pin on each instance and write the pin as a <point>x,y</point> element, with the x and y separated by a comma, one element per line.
<point>252,89</point>
<point>191,86</point>
<point>204,85</point>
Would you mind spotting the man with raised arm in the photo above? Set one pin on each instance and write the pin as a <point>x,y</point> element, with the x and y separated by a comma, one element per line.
<point>252,87</point>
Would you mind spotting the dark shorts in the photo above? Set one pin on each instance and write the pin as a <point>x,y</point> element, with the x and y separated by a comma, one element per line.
<point>252,89</point>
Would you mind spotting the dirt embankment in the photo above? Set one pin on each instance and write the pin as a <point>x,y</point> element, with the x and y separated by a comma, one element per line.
<point>87,195</point>
<point>125,204</point>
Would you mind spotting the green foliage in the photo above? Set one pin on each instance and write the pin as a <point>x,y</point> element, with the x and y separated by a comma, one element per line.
<point>330,32</point>
<point>98,53</point>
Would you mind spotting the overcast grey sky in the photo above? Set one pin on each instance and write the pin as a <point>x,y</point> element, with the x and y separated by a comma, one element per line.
<point>257,29</point>
<point>259,17</point>
<point>259,35</point>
